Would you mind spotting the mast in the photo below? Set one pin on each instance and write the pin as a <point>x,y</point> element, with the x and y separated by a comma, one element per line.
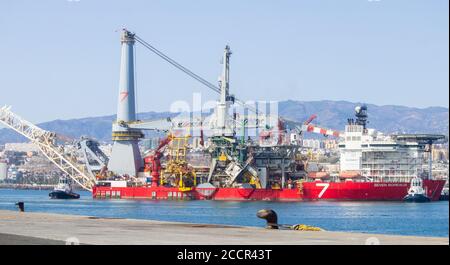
<point>225,99</point>
<point>125,156</point>
<point>126,110</point>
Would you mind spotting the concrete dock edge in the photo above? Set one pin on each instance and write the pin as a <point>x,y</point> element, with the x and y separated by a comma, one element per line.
<point>49,228</point>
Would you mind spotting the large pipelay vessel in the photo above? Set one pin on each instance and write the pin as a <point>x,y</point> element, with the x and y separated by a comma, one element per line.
<point>215,157</point>
<point>373,166</point>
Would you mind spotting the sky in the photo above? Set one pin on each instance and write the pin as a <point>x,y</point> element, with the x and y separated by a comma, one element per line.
<point>60,58</point>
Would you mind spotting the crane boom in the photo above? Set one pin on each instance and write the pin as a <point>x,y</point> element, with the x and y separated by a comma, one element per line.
<point>326,132</point>
<point>46,142</point>
<point>189,72</point>
<point>310,119</point>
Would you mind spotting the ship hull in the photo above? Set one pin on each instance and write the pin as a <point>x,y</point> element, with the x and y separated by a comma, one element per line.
<point>368,191</point>
<point>345,191</point>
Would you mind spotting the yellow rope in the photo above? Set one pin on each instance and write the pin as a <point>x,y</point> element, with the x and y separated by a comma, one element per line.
<point>303,227</point>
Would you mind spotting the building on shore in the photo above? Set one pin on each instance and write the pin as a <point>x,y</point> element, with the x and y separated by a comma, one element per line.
<point>440,153</point>
<point>3,170</point>
<point>21,147</point>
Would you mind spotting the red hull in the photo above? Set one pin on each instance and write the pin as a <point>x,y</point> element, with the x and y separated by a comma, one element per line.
<point>368,191</point>
<point>355,191</point>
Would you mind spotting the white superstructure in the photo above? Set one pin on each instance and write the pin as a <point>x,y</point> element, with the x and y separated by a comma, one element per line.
<point>380,157</point>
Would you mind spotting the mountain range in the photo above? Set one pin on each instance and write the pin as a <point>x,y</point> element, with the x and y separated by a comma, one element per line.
<point>330,114</point>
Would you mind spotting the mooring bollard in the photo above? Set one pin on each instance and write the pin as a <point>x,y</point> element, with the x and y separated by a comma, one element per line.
<point>21,206</point>
<point>272,222</point>
<point>270,216</point>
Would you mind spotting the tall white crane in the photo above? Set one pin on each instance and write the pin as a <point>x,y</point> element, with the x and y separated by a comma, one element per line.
<point>225,99</point>
<point>46,142</point>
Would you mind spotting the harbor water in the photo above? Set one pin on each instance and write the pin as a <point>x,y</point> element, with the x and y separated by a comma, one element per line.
<point>398,218</point>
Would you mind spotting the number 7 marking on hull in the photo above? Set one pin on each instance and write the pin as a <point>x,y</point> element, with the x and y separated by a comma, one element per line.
<point>325,187</point>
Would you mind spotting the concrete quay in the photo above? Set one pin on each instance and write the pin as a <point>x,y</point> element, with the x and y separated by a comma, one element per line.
<point>47,228</point>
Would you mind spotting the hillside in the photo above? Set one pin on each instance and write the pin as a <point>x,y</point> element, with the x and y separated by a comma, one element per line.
<point>331,114</point>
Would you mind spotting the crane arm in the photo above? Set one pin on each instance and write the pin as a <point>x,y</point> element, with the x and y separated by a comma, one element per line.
<point>46,142</point>
<point>310,119</point>
<point>308,127</point>
<point>164,142</point>
<point>314,129</point>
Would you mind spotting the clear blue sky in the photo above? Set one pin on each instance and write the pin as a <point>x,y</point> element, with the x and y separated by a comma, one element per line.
<point>60,58</point>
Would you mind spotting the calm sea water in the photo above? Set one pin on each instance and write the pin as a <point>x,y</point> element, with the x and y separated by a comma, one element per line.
<point>426,219</point>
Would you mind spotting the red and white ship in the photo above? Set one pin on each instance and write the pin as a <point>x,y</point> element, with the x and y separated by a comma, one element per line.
<point>374,167</point>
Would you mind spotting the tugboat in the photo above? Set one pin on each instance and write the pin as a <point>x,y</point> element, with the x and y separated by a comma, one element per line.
<point>444,194</point>
<point>63,190</point>
<point>416,193</point>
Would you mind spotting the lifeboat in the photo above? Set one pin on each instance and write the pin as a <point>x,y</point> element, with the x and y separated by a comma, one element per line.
<point>349,174</point>
<point>319,175</point>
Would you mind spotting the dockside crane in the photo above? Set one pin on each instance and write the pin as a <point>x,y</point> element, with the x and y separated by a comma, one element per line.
<point>66,161</point>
